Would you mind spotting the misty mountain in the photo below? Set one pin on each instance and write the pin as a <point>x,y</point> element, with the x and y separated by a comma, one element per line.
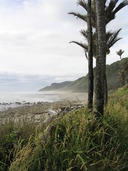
<point>56,86</point>
<point>81,84</point>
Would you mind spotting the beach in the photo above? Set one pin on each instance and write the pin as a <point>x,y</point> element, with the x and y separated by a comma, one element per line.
<point>41,111</point>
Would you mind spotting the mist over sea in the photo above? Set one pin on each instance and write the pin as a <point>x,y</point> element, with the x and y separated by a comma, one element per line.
<point>16,99</point>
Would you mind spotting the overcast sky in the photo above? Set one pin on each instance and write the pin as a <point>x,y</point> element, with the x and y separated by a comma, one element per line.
<point>34,43</point>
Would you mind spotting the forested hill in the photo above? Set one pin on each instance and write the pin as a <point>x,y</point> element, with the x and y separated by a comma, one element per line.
<point>56,86</point>
<point>81,84</point>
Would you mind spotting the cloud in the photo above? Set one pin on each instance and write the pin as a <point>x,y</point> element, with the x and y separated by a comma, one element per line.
<point>35,36</point>
<point>18,82</point>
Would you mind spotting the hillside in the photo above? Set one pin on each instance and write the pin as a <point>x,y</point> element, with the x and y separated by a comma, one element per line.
<point>71,141</point>
<point>56,86</point>
<point>81,84</point>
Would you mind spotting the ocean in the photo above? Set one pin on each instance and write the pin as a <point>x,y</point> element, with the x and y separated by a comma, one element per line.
<point>16,99</point>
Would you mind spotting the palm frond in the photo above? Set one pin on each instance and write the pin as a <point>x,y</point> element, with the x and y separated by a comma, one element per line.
<point>114,41</point>
<point>111,9</point>
<point>84,33</point>
<point>111,6</point>
<point>108,35</point>
<point>83,4</point>
<point>83,45</point>
<point>120,6</point>
<point>78,15</point>
<point>113,38</point>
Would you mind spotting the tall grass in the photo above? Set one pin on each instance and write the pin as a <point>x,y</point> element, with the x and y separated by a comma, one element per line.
<point>12,138</point>
<point>77,142</point>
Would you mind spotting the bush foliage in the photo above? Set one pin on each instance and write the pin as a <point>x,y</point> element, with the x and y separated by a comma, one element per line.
<point>76,142</point>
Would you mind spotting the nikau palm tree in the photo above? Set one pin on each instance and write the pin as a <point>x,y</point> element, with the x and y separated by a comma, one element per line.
<point>111,37</point>
<point>90,57</point>
<point>100,57</point>
<point>110,10</point>
<point>120,53</point>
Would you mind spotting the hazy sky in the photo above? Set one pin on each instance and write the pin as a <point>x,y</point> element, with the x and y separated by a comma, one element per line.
<point>34,43</point>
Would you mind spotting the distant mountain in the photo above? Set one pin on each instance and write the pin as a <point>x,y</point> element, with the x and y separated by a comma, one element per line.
<point>56,86</point>
<point>81,84</point>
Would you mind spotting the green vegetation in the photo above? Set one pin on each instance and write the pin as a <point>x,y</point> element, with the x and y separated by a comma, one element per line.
<point>97,43</point>
<point>120,53</point>
<point>81,84</point>
<point>56,86</point>
<point>75,142</point>
<point>123,73</point>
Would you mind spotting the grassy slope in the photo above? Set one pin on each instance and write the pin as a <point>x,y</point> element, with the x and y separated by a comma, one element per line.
<point>75,142</point>
<point>81,84</point>
<point>56,86</point>
<point>112,72</point>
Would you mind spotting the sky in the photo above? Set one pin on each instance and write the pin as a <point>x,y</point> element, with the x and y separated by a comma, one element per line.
<point>34,43</point>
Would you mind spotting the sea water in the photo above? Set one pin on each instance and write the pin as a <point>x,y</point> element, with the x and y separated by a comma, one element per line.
<point>16,99</point>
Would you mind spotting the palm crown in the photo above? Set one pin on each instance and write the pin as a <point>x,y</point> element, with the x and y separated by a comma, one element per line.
<point>110,11</point>
<point>120,53</point>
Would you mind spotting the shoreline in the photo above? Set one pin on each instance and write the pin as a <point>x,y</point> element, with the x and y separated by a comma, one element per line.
<point>39,112</point>
<point>24,99</point>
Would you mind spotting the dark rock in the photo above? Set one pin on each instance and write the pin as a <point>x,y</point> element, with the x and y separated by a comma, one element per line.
<point>67,109</point>
<point>4,103</point>
<point>63,109</point>
<point>18,103</point>
<point>39,103</point>
<point>27,103</point>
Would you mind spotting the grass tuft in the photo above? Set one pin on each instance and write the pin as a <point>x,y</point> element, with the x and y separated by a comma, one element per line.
<point>76,142</point>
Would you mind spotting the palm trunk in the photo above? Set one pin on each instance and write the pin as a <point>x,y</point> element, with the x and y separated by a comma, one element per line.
<point>90,59</point>
<point>105,90</point>
<point>100,59</point>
